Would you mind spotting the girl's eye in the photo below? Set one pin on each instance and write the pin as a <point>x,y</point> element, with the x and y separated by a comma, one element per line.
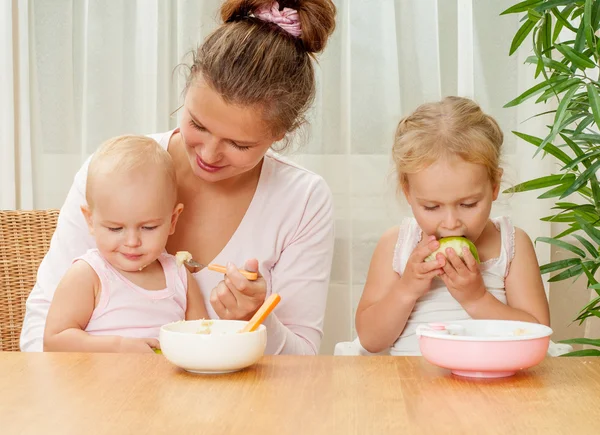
<point>433,207</point>
<point>196,126</point>
<point>239,147</point>
<point>114,229</point>
<point>150,228</point>
<point>469,205</point>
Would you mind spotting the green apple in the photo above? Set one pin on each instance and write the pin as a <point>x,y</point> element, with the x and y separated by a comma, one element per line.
<point>456,243</point>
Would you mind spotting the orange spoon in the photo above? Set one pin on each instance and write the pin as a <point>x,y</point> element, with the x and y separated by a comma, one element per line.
<point>262,313</point>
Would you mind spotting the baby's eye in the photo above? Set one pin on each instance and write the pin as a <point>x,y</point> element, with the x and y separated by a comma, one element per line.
<point>115,229</point>
<point>431,208</point>
<point>473,204</point>
<point>150,228</point>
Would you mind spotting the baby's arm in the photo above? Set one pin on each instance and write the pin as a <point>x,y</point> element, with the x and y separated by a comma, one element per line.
<point>524,289</point>
<point>70,312</point>
<point>195,308</point>
<point>388,299</point>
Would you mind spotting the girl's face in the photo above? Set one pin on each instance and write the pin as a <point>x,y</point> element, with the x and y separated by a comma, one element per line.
<point>451,197</point>
<point>221,140</point>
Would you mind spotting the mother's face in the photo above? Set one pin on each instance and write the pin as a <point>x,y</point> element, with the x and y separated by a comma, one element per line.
<point>222,140</point>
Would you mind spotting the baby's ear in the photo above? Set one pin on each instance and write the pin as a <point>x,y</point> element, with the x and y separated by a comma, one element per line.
<point>87,214</point>
<point>175,216</point>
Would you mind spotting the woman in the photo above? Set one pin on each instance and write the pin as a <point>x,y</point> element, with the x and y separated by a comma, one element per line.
<point>251,83</point>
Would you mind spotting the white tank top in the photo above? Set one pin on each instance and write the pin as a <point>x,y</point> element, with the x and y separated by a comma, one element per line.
<point>438,305</point>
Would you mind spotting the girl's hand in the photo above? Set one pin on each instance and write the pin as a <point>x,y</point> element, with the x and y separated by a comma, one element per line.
<point>236,298</point>
<point>417,274</point>
<point>137,345</point>
<point>463,278</point>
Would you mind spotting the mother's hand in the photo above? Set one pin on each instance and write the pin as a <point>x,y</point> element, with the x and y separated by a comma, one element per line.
<point>237,298</point>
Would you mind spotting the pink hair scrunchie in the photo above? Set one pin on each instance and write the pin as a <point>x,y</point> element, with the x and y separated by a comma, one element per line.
<point>287,19</point>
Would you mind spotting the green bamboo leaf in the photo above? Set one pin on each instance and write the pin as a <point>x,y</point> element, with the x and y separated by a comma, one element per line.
<point>554,192</point>
<point>590,230</point>
<point>587,22</point>
<point>560,264</point>
<point>589,341</point>
<point>595,16</point>
<point>582,180</point>
<point>594,252</point>
<point>562,86</point>
<point>594,99</point>
<point>520,36</point>
<point>587,137</point>
<point>549,63</point>
<point>533,15</point>
<point>576,58</point>
<point>587,156</point>
<point>546,34</point>
<point>561,112</point>
<point>595,192</point>
<point>561,18</point>
<point>572,272</point>
<point>591,281</point>
<point>550,148</point>
<point>541,182</point>
<point>534,91</point>
<point>557,29</point>
<point>561,244</point>
<point>591,306</point>
<point>522,7</point>
<point>579,44</point>
<point>552,4</point>
<point>589,119</point>
<point>562,218</point>
<point>576,14</point>
<point>587,352</point>
<point>570,230</point>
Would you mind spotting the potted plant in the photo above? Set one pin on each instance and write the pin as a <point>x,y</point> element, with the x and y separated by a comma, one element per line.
<point>566,53</point>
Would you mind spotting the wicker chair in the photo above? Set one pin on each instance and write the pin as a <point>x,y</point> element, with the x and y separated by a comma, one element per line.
<point>24,239</point>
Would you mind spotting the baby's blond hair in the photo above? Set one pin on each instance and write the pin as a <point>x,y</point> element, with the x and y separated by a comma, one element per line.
<point>454,126</point>
<point>126,154</point>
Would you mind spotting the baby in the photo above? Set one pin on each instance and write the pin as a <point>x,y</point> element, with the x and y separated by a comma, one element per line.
<point>116,297</point>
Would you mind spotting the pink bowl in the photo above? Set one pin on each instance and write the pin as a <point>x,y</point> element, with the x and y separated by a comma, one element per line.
<point>484,348</point>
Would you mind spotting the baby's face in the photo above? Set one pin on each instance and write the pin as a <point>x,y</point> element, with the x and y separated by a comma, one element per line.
<point>451,198</point>
<point>131,219</point>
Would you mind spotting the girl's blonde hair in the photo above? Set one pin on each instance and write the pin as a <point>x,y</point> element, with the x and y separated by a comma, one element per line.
<point>127,154</point>
<point>454,126</point>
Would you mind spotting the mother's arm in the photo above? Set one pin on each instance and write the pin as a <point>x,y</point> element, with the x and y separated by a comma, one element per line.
<point>300,276</point>
<point>70,240</point>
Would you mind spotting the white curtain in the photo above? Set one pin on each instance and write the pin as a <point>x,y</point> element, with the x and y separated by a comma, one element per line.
<point>81,71</point>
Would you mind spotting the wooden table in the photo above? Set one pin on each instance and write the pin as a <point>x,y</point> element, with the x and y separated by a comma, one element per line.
<point>145,394</point>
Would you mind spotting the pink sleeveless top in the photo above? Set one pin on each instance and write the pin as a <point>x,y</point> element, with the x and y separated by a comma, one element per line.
<point>128,310</point>
<point>438,305</point>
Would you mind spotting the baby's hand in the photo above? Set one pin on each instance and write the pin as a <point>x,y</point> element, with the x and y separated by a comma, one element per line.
<point>418,274</point>
<point>137,345</point>
<point>463,279</point>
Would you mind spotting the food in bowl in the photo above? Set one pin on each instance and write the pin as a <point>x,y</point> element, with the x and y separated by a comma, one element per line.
<point>205,327</point>
<point>484,348</point>
<point>212,346</point>
<point>457,244</point>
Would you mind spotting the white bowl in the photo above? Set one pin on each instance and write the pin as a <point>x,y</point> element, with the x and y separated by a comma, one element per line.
<point>224,350</point>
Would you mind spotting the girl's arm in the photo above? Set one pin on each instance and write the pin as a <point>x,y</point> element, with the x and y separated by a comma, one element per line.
<point>388,299</point>
<point>524,289</point>
<point>195,308</point>
<point>70,312</point>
